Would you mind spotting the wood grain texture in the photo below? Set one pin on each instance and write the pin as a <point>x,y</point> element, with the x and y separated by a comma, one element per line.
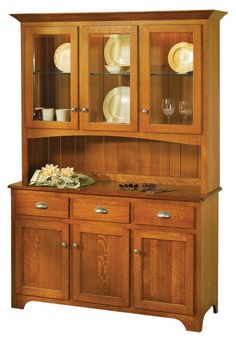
<point>155,286</point>
<point>145,212</point>
<point>100,274</point>
<point>41,262</point>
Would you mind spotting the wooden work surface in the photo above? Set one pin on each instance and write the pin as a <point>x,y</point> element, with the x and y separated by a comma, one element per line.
<point>111,188</point>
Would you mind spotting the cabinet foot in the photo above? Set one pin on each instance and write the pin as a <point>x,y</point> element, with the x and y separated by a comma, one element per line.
<point>215,308</point>
<point>193,324</point>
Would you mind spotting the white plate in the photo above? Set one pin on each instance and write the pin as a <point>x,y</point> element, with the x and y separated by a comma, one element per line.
<point>62,57</point>
<point>116,105</point>
<point>180,57</point>
<point>117,50</point>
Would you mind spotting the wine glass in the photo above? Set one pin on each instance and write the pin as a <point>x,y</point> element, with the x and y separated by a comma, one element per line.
<point>168,107</point>
<point>185,109</point>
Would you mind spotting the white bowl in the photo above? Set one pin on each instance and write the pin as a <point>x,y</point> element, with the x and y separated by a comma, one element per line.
<point>113,69</point>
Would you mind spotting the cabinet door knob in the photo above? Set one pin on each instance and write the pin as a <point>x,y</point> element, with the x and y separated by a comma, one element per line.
<point>74,109</point>
<point>63,244</point>
<point>84,109</point>
<point>145,111</point>
<point>163,214</point>
<point>41,205</point>
<point>100,210</point>
<point>136,251</point>
<point>75,245</point>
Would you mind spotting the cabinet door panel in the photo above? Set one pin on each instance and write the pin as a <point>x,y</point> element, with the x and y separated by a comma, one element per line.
<point>41,261</point>
<point>101,264</point>
<point>163,275</point>
<point>170,81</point>
<point>109,78</point>
<point>51,70</point>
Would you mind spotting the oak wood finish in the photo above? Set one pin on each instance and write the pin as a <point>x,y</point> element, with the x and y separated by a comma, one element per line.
<point>127,258</point>
<point>42,264</point>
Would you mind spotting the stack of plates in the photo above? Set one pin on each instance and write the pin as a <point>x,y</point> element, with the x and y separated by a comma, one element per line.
<point>180,57</point>
<point>117,50</point>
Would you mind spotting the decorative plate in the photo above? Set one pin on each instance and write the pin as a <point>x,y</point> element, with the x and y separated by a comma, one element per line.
<point>180,57</point>
<point>117,50</point>
<point>62,57</point>
<point>116,105</point>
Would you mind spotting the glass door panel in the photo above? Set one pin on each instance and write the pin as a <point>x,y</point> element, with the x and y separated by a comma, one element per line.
<point>51,66</point>
<point>111,97</point>
<point>171,75</point>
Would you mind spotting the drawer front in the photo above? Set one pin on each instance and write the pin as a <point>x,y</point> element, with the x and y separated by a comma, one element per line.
<point>41,204</point>
<point>100,208</point>
<point>163,214</point>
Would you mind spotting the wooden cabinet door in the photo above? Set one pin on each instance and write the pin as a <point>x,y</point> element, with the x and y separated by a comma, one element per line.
<point>108,68</point>
<point>163,271</point>
<point>101,264</point>
<point>170,79</point>
<point>42,258</point>
<point>50,81</point>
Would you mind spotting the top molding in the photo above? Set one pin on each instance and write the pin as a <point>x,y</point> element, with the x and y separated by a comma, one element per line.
<point>120,16</point>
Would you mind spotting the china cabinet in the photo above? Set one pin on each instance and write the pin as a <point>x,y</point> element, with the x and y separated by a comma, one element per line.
<point>131,100</point>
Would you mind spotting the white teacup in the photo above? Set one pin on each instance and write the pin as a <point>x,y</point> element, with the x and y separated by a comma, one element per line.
<point>48,114</point>
<point>63,115</point>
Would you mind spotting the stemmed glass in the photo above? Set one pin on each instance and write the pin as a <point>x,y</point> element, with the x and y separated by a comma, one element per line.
<point>168,107</point>
<point>185,109</point>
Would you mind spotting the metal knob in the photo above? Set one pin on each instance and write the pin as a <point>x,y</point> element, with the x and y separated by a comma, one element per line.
<point>145,111</point>
<point>63,244</point>
<point>136,251</point>
<point>41,205</point>
<point>74,109</point>
<point>84,109</point>
<point>100,210</point>
<point>75,245</point>
<point>163,214</point>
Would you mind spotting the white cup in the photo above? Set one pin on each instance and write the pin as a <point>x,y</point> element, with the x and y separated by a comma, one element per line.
<point>48,114</point>
<point>63,115</point>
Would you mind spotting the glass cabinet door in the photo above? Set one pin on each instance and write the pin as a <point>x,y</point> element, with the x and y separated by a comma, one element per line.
<point>170,90</point>
<point>51,77</point>
<point>108,62</point>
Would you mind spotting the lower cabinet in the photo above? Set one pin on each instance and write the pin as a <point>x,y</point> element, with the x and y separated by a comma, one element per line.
<point>163,271</point>
<point>42,258</point>
<point>101,264</point>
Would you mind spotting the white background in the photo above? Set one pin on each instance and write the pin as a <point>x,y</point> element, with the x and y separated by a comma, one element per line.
<point>39,319</point>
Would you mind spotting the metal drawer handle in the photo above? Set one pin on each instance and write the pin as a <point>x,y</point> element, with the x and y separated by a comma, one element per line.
<point>101,210</point>
<point>163,214</point>
<point>41,205</point>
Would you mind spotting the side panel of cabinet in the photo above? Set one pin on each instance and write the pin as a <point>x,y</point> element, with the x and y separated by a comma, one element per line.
<point>101,264</point>
<point>41,261</point>
<point>163,271</point>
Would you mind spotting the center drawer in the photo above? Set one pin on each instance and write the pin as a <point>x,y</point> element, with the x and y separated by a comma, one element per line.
<point>41,204</point>
<point>100,208</point>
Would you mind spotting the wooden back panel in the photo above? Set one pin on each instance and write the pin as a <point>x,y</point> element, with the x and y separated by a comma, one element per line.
<point>113,158</point>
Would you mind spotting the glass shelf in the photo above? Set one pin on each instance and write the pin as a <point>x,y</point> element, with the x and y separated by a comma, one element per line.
<point>111,74</point>
<point>49,72</point>
<point>190,74</point>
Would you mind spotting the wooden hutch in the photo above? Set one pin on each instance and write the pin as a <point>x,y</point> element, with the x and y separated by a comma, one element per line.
<point>100,246</point>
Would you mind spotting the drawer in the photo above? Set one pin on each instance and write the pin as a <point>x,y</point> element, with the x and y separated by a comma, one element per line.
<point>163,214</point>
<point>41,204</point>
<point>100,208</point>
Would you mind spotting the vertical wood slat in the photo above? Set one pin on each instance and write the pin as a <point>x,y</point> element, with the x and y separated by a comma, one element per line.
<point>189,164</point>
<point>127,156</point>
<point>38,154</point>
<point>55,151</point>
<point>68,151</point>
<point>111,154</point>
<point>94,154</point>
<point>80,154</point>
<point>160,162</point>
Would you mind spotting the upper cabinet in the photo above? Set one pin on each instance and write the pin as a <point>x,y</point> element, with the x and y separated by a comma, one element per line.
<point>114,78</point>
<point>51,77</point>
<point>170,79</point>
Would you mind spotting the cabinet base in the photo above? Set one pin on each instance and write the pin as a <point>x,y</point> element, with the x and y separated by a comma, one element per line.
<point>191,323</point>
